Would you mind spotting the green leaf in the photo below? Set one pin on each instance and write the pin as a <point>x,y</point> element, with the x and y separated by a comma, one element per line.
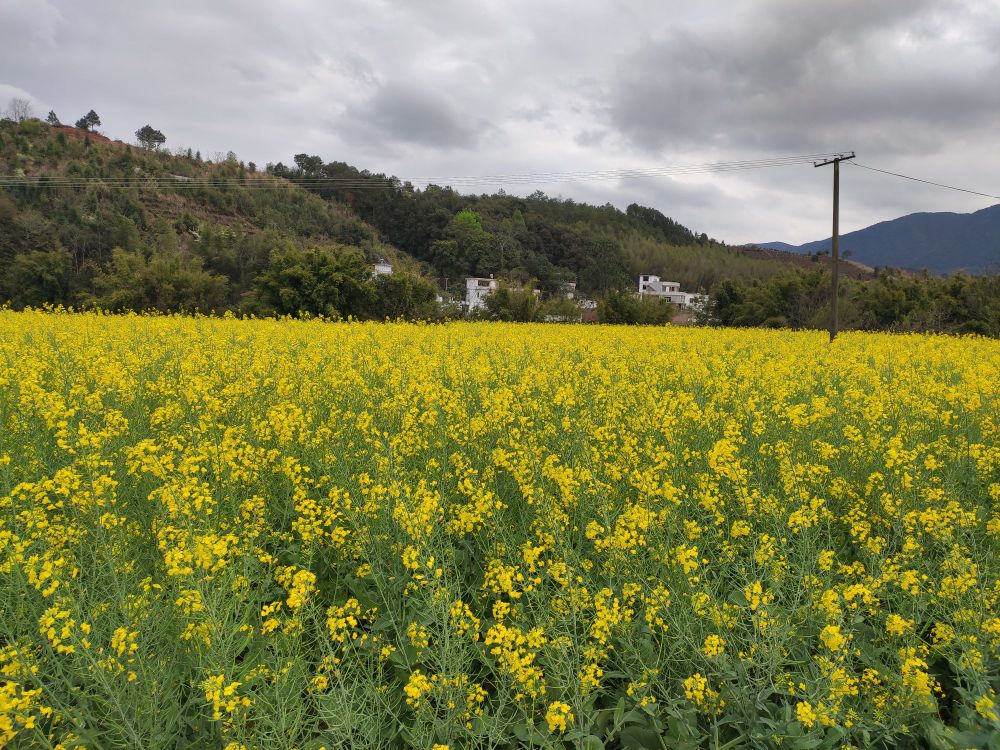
<point>619,711</point>
<point>407,734</point>
<point>638,738</point>
<point>834,736</point>
<point>603,718</point>
<point>635,716</point>
<point>971,739</point>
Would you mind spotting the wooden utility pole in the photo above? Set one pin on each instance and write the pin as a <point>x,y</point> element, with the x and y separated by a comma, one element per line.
<point>835,237</point>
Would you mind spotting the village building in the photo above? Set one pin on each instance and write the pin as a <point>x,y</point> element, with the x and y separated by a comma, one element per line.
<point>669,291</point>
<point>382,268</point>
<point>477,290</point>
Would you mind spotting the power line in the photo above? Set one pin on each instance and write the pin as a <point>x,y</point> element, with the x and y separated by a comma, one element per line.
<point>374,182</point>
<point>926,182</point>
<point>535,176</point>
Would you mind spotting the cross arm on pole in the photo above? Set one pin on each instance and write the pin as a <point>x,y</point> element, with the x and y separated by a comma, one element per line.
<point>837,158</point>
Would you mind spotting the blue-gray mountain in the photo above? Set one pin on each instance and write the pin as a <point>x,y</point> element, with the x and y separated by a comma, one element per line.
<point>940,242</point>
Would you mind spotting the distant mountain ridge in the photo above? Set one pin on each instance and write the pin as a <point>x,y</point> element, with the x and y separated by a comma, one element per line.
<point>941,242</point>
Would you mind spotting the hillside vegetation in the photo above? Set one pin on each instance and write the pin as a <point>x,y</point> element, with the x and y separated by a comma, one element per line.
<point>136,222</point>
<point>90,222</point>
<point>104,217</point>
<point>549,240</point>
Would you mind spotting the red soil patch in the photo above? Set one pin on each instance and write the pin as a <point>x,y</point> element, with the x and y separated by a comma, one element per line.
<point>80,134</point>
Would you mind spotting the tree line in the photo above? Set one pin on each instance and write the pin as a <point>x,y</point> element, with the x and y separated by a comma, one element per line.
<point>166,241</point>
<point>892,301</point>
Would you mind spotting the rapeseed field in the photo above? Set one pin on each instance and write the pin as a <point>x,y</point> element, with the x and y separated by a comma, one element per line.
<point>268,534</point>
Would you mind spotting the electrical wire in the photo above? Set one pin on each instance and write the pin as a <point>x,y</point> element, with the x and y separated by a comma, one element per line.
<point>926,182</point>
<point>378,182</point>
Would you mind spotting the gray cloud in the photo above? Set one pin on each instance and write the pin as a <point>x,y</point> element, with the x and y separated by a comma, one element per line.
<point>408,114</point>
<point>806,77</point>
<point>34,23</point>
<point>465,87</point>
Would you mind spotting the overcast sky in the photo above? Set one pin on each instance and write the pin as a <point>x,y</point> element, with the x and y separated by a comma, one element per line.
<point>462,87</point>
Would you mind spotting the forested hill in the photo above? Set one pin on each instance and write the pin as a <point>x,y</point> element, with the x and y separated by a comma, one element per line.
<point>121,227</point>
<point>96,222</point>
<point>537,238</point>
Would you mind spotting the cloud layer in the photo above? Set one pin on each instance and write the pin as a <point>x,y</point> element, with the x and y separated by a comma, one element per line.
<point>474,88</point>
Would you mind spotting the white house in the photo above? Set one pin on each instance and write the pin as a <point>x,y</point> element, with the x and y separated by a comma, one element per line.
<point>653,286</point>
<point>477,290</point>
<point>382,268</point>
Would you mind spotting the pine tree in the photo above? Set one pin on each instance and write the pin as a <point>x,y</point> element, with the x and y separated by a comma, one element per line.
<point>89,121</point>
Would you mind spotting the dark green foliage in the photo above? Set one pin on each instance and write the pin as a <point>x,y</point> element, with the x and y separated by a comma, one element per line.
<point>53,119</point>
<point>7,210</point>
<point>32,127</point>
<point>333,281</point>
<point>89,121</point>
<point>38,278</point>
<point>167,281</point>
<point>463,248</point>
<point>667,230</point>
<point>798,300</point>
<point>957,304</point>
<point>513,304</point>
<point>603,267</point>
<point>308,165</point>
<point>124,233</point>
<point>560,310</point>
<point>150,138</point>
<point>404,295</point>
<point>625,308</point>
